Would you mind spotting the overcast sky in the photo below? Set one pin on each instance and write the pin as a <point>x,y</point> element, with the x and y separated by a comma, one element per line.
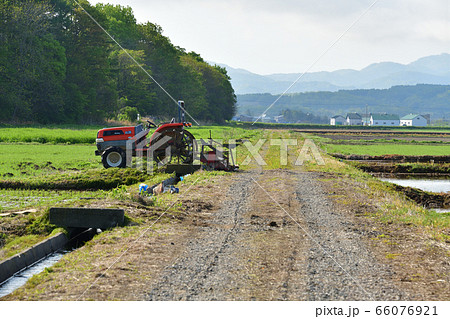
<point>288,36</point>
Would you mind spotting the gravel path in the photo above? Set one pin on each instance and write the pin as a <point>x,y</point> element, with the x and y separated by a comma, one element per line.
<point>351,273</point>
<point>204,272</point>
<point>212,267</point>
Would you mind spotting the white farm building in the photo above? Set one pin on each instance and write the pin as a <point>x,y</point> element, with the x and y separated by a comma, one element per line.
<point>413,120</point>
<point>384,120</point>
<point>337,120</point>
<point>354,119</point>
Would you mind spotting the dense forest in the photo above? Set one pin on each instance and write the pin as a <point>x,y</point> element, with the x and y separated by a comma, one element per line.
<point>422,98</point>
<point>58,66</point>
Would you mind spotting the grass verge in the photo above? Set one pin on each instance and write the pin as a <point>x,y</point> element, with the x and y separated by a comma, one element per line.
<point>391,205</point>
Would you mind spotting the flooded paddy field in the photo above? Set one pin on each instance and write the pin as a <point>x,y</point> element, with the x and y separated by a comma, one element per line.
<point>416,163</point>
<point>428,185</point>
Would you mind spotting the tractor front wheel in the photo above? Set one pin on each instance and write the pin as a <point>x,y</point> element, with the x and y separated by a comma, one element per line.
<point>114,157</point>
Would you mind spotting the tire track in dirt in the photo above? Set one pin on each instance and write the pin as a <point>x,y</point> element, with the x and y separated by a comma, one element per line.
<point>250,251</point>
<point>203,270</point>
<point>340,267</point>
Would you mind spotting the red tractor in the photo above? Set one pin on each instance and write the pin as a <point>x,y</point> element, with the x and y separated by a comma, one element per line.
<point>169,142</point>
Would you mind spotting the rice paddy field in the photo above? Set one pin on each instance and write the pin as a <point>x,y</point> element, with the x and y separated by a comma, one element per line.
<point>377,149</point>
<point>376,143</point>
<point>22,161</point>
<point>50,165</point>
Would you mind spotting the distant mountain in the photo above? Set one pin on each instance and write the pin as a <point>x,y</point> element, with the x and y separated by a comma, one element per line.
<point>433,69</point>
<point>421,98</point>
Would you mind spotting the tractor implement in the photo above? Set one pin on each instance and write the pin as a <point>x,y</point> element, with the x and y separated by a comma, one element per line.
<point>215,159</point>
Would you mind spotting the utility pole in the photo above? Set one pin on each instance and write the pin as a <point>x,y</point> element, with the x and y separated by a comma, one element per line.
<point>367,116</point>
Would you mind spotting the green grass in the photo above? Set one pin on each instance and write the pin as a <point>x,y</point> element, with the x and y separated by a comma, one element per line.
<point>21,161</point>
<point>48,135</point>
<point>389,148</point>
<point>19,244</point>
<point>19,199</point>
<point>393,207</point>
<point>88,135</point>
<point>223,132</point>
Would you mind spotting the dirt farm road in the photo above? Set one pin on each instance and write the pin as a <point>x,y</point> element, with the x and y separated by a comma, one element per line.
<point>277,237</point>
<point>254,235</point>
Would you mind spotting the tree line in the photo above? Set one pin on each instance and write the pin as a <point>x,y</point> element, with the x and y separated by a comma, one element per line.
<point>421,98</point>
<point>58,66</point>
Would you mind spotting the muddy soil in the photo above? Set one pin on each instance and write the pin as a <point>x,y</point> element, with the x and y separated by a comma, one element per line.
<point>412,169</point>
<point>425,199</point>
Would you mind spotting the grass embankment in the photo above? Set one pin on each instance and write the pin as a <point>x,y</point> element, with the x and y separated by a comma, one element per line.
<point>391,206</point>
<point>20,232</point>
<point>405,168</point>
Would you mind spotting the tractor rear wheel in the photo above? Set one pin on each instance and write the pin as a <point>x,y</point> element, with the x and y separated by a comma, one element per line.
<point>187,148</point>
<point>114,157</point>
<point>180,149</point>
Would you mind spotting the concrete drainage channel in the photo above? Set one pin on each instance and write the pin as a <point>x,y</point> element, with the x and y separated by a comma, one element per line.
<point>82,223</point>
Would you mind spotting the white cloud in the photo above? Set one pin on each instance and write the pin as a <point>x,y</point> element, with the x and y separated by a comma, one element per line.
<point>287,36</point>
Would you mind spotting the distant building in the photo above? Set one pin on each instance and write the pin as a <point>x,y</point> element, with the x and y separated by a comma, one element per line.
<point>366,120</point>
<point>279,119</point>
<point>266,119</point>
<point>413,120</point>
<point>354,119</point>
<point>246,118</point>
<point>337,120</point>
<point>428,117</point>
<point>384,120</point>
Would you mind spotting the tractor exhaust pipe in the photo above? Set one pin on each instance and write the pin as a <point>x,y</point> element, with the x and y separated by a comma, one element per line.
<point>181,112</point>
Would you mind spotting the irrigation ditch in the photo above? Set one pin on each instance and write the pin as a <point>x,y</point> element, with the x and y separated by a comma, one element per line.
<point>81,225</point>
<point>16,270</point>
